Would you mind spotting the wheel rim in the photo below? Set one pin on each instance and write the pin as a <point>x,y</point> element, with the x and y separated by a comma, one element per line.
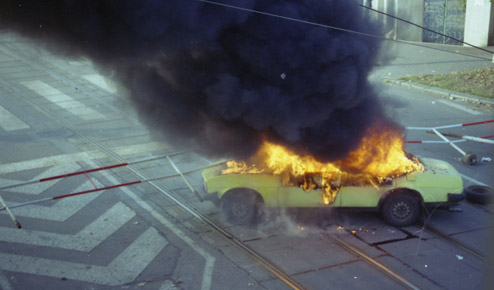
<point>401,210</point>
<point>239,209</point>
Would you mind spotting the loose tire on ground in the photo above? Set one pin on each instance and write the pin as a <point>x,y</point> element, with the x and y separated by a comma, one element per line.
<point>400,209</point>
<point>242,206</point>
<point>479,194</point>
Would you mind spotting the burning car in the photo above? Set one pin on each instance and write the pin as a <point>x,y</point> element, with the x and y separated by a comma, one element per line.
<point>390,181</point>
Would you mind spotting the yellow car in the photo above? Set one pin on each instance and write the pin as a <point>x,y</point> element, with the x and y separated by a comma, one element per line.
<point>399,199</point>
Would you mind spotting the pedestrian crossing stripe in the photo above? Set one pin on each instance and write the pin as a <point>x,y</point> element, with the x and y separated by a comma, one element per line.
<point>62,100</point>
<point>102,82</point>
<point>9,122</point>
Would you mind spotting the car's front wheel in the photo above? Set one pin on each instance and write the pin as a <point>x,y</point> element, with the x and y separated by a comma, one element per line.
<point>242,206</point>
<point>400,209</point>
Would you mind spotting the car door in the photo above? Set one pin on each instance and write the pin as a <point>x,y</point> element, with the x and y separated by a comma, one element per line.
<point>359,196</point>
<point>294,196</point>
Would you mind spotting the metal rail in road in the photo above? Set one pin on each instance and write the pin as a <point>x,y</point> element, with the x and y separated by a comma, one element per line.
<point>454,242</point>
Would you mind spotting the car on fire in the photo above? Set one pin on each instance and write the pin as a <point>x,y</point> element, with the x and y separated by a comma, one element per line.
<point>400,200</point>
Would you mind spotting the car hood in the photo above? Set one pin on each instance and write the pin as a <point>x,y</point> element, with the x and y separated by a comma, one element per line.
<point>438,166</point>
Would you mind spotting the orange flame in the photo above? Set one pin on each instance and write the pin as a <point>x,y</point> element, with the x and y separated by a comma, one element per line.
<point>379,157</point>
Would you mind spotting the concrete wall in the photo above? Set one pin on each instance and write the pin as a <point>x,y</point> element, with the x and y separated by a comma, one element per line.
<point>479,23</point>
<point>410,10</point>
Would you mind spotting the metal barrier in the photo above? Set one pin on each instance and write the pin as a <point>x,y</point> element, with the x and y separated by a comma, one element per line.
<point>179,173</point>
<point>468,158</point>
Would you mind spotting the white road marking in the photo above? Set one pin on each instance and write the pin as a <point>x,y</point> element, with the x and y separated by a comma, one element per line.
<point>4,282</point>
<point>62,100</point>
<point>123,269</point>
<point>79,63</point>
<point>62,209</point>
<point>102,82</point>
<point>38,188</point>
<point>459,107</point>
<point>141,148</point>
<point>60,160</point>
<point>85,240</point>
<point>474,181</point>
<point>73,270</point>
<point>210,260</point>
<point>9,122</point>
<point>57,160</point>
<point>168,285</point>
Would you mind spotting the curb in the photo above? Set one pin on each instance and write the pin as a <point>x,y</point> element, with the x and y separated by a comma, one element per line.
<point>443,92</point>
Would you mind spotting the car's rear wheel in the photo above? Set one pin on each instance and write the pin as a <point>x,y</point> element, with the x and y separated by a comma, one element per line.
<point>400,209</point>
<point>242,206</point>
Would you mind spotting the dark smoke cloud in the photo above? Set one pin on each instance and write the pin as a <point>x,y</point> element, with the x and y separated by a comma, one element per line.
<point>222,78</point>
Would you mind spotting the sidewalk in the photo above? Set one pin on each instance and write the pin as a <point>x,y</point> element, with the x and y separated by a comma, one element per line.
<point>452,95</point>
<point>416,58</point>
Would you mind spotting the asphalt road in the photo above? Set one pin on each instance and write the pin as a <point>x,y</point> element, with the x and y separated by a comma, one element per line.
<point>60,115</point>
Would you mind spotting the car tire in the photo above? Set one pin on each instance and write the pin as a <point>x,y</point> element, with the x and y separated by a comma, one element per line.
<point>400,209</point>
<point>242,206</point>
<point>479,194</point>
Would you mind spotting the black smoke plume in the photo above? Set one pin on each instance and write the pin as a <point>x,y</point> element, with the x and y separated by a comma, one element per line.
<point>222,79</point>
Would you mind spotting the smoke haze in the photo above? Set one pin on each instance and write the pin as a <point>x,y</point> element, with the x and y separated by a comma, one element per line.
<point>223,79</point>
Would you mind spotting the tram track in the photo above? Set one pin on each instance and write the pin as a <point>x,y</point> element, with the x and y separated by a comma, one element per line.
<point>455,243</point>
<point>269,265</point>
<point>374,263</point>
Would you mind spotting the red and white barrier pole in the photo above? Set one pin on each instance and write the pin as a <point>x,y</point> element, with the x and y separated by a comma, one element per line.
<point>69,195</point>
<point>448,141</point>
<point>62,176</point>
<point>452,126</point>
<point>12,217</point>
<point>86,171</point>
<point>104,188</point>
<point>468,158</point>
<point>432,141</point>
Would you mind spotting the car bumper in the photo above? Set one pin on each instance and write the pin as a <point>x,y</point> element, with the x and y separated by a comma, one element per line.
<point>455,197</point>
